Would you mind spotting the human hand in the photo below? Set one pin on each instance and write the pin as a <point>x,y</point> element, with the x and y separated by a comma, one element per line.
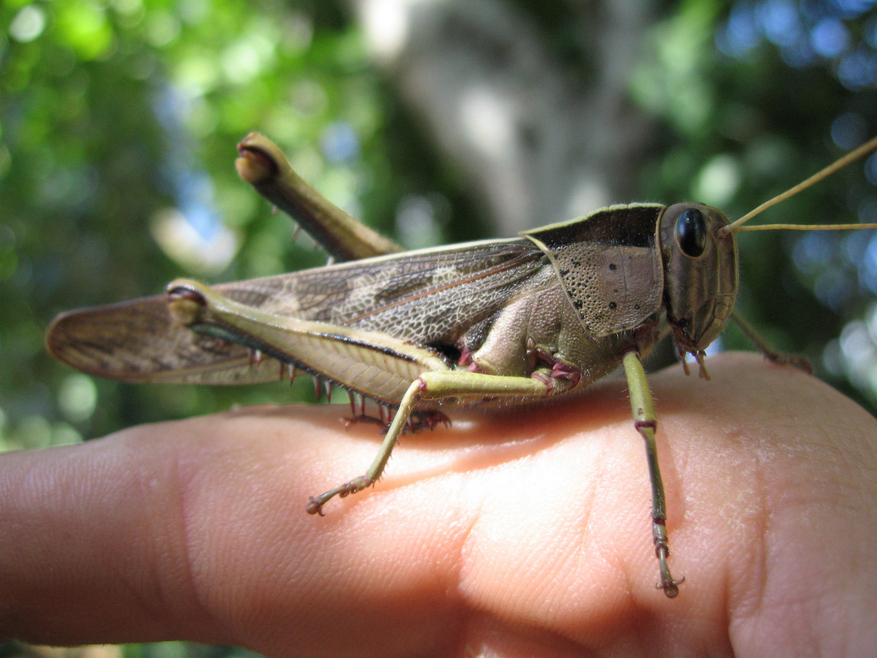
<point>524,533</point>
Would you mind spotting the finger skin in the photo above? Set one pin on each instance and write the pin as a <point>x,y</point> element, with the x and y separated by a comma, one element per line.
<point>517,533</point>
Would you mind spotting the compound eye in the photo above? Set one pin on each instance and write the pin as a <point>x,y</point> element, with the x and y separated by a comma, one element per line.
<point>691,232</point>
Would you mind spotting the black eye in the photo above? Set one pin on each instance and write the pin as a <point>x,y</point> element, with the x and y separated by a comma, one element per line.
<point>691,232</point>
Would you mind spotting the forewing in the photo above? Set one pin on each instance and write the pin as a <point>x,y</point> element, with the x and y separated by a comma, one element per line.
<point>424,297</point>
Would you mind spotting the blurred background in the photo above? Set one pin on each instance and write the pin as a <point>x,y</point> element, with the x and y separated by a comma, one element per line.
<point>434,121</point>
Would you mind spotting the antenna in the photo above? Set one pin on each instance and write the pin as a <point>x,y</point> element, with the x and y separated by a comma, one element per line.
<point>735,227</point>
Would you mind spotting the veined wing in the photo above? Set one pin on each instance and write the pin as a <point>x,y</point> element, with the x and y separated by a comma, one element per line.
<point>137,341</point>
<point>424,296</point>
<point>421,296</point>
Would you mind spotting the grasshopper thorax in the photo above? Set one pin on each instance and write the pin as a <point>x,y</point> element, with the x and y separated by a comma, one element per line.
<point>700,273</point>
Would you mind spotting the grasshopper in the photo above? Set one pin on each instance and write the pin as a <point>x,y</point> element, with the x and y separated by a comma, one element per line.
<point>493,322</point>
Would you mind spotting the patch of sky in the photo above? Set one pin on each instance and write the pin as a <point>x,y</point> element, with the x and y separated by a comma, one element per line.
<point>192,233</point>
<point>871,169</point>
<point>788,24</point>
<point>813,251</point>
<point>833,289</point>
<point>195,196</point>
<point>805,32</point>
<point>781,22</point>
<point>849,130</point>
<point>191,187</point>
<point>741,32</point>
<point>853,247</point>
<point>849,9</point>
<point>829,37</point>
<point>867,211</point>
<point>868,267</point>
<point>340,143</point>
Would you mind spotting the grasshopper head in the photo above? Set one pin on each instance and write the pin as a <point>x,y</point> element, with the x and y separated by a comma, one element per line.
<point>700,273</point>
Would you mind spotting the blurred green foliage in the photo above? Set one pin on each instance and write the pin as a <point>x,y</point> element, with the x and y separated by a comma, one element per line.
<point>759,96</point>
<point>119,118</point>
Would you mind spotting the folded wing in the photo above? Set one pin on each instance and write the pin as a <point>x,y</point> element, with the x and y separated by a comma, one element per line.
<point>427,297</point>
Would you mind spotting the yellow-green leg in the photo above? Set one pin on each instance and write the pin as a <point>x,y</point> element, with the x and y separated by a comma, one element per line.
<point>645,421</point>
<point>435,386</point>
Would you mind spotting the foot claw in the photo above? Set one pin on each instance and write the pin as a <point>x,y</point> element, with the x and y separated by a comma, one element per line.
<point>671,587</point>
<point>668,584</point>
<point>315,506</point>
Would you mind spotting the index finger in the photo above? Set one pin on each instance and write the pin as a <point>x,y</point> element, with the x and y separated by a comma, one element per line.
<point>508,531</point>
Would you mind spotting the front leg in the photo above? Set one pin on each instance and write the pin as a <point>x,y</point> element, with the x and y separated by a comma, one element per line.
<point>767,350</point>
<point>436,386</point>
<point>645,421</point>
